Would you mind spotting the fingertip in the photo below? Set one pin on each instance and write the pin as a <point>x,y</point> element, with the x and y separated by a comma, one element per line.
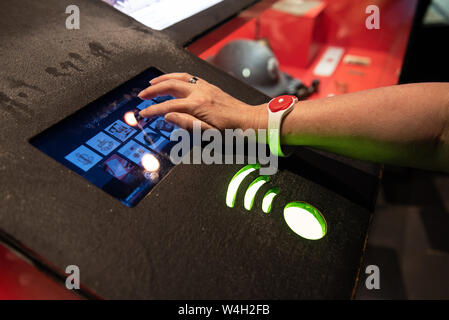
<point>142,94</point>
<point>155,80</point>
<point>143,114</point>
<point>178,119</point>
<point>171,117</point>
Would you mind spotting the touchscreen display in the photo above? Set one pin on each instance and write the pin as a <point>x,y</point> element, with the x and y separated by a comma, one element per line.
<point>113,151</point>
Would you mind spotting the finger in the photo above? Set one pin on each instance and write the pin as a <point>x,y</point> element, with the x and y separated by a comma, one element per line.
<point>176,88</point>
<point>176,76</point>
<point>175,105</point>
<point>185,121</point>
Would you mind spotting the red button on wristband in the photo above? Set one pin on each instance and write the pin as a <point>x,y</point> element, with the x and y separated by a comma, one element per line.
<point>281,103</point>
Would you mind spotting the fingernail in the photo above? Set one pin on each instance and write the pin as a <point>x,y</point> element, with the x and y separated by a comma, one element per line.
<point>140,94</point>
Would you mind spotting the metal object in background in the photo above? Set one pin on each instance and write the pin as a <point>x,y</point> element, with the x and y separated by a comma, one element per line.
<point>297,88</point>
<point>254,63</point>
<point>303,91</point>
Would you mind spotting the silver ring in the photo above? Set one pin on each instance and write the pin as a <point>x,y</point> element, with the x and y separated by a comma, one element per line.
<point>193,80</point>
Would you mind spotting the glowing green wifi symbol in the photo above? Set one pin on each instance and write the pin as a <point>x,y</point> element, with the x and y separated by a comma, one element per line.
<point>302,218</point>
<point>251,192</point>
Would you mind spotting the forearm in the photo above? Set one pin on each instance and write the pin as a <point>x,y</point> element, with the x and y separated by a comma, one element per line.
<point>401,125</point>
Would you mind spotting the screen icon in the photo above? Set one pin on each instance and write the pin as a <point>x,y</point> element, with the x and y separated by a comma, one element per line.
<point>121,169</point>
<point>157,141</point>
<point>120,130</point>
<point>134,152</point>
<point>83,158</point>
<point>103,143</point>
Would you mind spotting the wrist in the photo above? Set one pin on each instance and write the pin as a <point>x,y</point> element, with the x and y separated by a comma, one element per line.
<point>258,117</point>
<point>255,118</point>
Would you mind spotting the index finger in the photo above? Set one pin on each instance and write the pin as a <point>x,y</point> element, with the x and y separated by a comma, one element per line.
<point>176,88</point>
<point>175,105</point>
<point>182,76</point>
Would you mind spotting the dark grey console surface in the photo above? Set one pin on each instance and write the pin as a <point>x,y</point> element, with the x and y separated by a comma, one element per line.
<point>181,241</point>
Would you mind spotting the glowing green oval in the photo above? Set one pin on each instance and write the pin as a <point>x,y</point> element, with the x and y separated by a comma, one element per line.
<point>305,220</point>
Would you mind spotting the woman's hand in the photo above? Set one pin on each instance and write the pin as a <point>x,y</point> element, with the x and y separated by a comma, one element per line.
<point>200,101</point>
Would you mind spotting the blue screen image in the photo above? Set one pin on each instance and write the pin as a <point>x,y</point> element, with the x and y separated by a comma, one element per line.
<point>98,144</point>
